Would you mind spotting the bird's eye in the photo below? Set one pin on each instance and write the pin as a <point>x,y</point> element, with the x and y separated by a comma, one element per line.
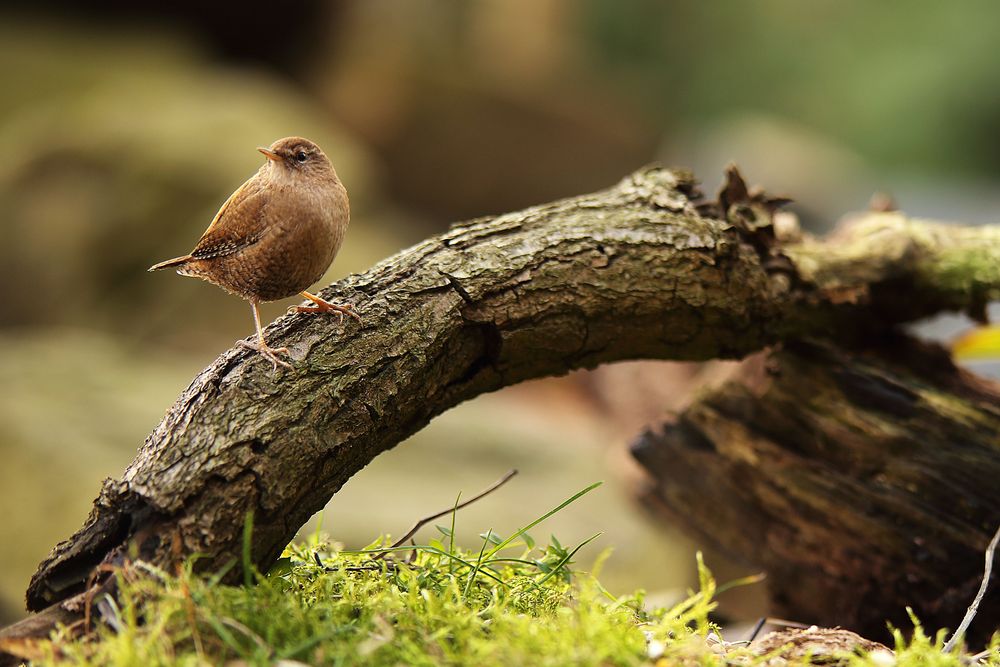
<point>301,156</point>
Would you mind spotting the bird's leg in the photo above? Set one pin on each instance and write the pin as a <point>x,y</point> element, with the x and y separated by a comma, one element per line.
<point>269,353</point>
<point>324,306</point>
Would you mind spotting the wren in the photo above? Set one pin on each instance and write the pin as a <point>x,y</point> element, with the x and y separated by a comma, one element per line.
<point>275,236</point>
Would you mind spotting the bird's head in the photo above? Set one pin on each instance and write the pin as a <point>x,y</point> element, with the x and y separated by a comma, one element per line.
<point>295,155</point>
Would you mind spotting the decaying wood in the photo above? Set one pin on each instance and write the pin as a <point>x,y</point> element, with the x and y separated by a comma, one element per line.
<point>863,482</point>
<point>635,271</point>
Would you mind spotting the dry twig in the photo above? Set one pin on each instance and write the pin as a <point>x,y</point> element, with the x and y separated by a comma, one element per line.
<point>454,508</point>
<point>974,607</point>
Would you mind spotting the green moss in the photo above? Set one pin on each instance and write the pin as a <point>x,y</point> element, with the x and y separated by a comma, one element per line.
<point>508,602</point>
<point>321,606</point>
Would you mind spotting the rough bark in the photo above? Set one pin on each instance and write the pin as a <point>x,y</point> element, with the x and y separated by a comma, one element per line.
<point>630,272</point>
<point>861,482</point>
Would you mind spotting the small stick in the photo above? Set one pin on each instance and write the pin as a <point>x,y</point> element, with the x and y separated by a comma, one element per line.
<point>757,627</point>
<point>454,508</point>
<point>770,620</point>
<point>974,607</point>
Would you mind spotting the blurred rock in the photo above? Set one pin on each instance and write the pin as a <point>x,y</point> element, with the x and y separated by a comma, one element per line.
<point>119,147</point>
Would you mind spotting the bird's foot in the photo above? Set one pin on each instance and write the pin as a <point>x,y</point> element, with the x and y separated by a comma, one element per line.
<point>322,306</point>
<point>269,353</point>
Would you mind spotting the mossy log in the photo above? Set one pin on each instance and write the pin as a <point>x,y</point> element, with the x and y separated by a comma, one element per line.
<point>862,482</point>
<point>646,269</point>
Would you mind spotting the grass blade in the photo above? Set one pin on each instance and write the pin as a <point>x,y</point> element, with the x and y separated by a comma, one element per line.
<point>567,558</point>
<point>542,518</point>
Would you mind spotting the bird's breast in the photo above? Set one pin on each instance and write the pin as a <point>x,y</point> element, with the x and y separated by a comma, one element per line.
<point>305,231</point>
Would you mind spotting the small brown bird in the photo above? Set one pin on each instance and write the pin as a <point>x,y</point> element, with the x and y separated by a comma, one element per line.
<point>276,235</point>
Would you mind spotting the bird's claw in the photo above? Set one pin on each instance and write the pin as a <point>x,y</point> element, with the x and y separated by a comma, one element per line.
<point>269,353</point>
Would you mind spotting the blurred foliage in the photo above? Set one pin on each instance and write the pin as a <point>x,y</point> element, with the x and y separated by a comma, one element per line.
<point>909,85</point>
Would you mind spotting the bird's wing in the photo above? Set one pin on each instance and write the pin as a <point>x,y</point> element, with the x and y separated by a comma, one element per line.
<point>238,224</point>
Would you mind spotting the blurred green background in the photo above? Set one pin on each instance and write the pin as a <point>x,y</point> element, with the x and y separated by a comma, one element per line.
<point>123,128</point>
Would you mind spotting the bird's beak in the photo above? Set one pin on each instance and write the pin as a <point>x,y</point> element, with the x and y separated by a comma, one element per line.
<point>269,154</point>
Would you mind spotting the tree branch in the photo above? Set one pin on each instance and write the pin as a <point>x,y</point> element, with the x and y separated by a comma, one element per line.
<point>630,272</point>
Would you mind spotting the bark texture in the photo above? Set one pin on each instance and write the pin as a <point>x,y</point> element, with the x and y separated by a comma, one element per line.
<point>642,270</point>
<point>861,482</point>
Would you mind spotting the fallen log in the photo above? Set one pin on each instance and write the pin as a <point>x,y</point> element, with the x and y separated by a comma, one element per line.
<point>863,482</point>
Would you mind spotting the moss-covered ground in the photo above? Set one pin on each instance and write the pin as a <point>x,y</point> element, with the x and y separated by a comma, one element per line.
<point>511,601</point>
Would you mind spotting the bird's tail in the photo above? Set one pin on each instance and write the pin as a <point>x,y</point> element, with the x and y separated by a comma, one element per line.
<point>176,262</point>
